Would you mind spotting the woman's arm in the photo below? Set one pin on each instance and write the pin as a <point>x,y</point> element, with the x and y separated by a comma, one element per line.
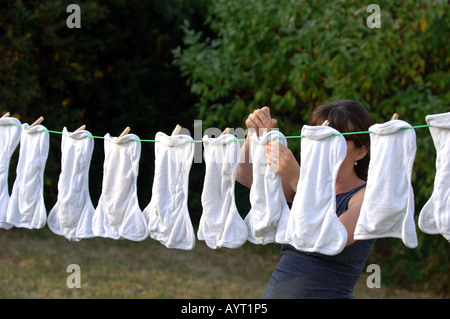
<point>283,161</point>
<point>278,156</point>
<point>244,173</point>
<point>350,217</point>
<point>257,123</point>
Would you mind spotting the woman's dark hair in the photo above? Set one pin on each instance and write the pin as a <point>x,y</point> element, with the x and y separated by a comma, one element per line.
<point>347,116</point>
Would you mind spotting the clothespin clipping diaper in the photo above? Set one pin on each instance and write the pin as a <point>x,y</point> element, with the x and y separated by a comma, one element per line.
<point>125,132</point>
<point>37,122</point>
<point>225,131</point>
<point>176,131</point>
<point>268,128</point>
<point>82,127</point>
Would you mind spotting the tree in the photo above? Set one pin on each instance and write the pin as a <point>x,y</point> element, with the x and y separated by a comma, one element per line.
<point>114,71</point>
<point>293,55</point>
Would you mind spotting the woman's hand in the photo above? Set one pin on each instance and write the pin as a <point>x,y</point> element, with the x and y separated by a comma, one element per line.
<point>284,163</point>
<point>259,121</point>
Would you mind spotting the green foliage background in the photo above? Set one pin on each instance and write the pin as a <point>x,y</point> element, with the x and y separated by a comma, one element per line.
<point>153,64</point>
<point>115,71</point>
<point>294,55</point>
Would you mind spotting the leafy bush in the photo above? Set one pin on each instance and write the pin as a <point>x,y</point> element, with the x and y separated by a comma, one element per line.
<point>115,71</point>
<point>293,55</point>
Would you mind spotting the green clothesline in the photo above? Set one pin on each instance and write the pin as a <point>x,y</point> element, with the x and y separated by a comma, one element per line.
<point>244,139</point>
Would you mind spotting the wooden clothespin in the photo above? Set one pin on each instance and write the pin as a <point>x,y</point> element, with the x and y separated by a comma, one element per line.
<point>268,127</point>
<point>394,117</point>
<point>176,131</point>
<point>225,131</point>
<point>326,123</point>
<point>125,132</point>
<point>82,127</point>
<point>37,122</point>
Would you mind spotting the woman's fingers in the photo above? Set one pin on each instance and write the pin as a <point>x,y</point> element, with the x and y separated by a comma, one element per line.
<point>273,123</point>
<point>255,121</point>
<point>260,120</point>
<point>280,158</point>
<point>273,154</point>
<point>273,147</point>
<point>264,115</point>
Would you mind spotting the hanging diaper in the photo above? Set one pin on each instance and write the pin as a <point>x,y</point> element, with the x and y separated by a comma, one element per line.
<point>10,130</point>
<point>26,206</point>
<point>388,206</point>
<point>220,224</point>
<point>72,214</point>
<point>118,215</point>
<point>313,223</point>
<point>434,217</point>
<point>268,216</point>
<point>167,212</point>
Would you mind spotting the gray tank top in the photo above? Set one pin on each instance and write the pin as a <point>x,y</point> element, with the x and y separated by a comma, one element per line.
<point>314,275</point>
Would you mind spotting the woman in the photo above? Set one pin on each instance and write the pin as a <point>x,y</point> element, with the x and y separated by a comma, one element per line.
<point>314,275</point>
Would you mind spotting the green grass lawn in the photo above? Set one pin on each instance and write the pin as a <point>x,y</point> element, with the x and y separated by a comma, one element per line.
<point>33,264</point>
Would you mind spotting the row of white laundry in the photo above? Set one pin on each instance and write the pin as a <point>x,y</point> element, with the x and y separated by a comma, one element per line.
<point>310,225</point>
